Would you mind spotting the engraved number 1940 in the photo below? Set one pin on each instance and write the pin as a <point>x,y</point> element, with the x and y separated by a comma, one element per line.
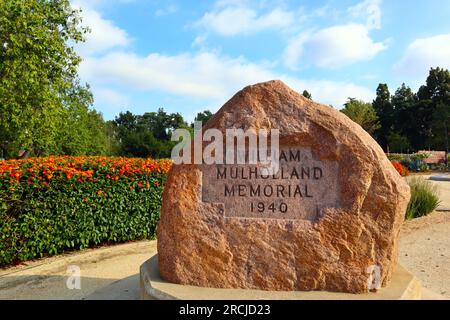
<point>273,207</point>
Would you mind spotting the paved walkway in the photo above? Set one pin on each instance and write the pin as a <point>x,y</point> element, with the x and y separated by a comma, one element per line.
<point>106,273</point>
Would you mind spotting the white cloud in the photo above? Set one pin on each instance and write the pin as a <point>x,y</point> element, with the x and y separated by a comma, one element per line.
<point>170,9</point>
<point>110,97</point>
<point>240,19</point>
<point>370,11</point>
<point>197,75</point>
<point>104,35</point>
<point>204,75</point>
<point>332,47</point>
<point>369,76</point>
<point>209,77</point>
<point>424,53</point>
<point>334,93</point>
<point>199,41</point>
<point>228,3</point>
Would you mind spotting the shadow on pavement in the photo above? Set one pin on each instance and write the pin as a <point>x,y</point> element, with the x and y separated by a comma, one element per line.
<point>54,287</point>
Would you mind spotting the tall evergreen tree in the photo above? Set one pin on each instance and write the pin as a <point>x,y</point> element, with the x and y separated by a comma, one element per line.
<point>384,110</point>
<point>362,113</point>
<point>404,120</point>
<point>434,99</point>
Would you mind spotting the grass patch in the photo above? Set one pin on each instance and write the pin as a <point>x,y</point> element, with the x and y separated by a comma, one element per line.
<point>424,198</point>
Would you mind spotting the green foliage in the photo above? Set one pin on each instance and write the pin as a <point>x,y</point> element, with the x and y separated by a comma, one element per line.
<point>397,143</point>
<point>148,134</point>
<point>439,167</point>
<point>204,116</point>
<point>395,157</point>
<point>424,198</point>
<point>405,130</point>
<point>44,109</point>
<point>413,162</point>
<point>83,131</point>
<point>440,126</point>
<point>362,113</point>
<point>384,110</point>
<point>416,121</point>
<point>307,95</point>
<point>142,143</point>
<point>419,156</point>
<point>416,165</point>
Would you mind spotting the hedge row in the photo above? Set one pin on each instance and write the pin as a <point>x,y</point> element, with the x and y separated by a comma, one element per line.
<point>50,205</point>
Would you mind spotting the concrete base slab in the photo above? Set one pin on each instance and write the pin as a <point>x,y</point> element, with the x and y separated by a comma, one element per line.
<point>404,286</point>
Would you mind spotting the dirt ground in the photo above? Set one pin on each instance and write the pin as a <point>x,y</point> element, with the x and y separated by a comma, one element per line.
<point>425,243</point>
<point>425,251</point>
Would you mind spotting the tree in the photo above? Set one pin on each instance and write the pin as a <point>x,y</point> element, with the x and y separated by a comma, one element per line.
<point>143,144</point>
<point>441,127</point>
<point>161,123</point>
<point>398,143</point>
<point>307,95</point>
<point>44,108</point>
<point>204,116</point>
<point>148,134</point>
<point>112,139</point>
<point>362,113</point>
<point>437,86</point>
<point>38,72</point>
<point>383,108</point>
<point>124,123</point>
<point>405,124</point>
<point>434,97</point>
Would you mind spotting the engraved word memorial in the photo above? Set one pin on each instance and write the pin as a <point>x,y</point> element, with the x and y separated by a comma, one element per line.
<point>324,220</point>
<point>299,190</point>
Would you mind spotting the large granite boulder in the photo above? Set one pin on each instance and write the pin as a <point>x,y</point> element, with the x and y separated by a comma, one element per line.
<point>326,221</point>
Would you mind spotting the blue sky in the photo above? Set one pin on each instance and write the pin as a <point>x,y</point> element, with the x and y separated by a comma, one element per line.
<point>188,56</point>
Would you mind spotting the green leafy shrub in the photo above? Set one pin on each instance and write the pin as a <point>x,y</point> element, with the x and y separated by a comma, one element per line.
<point>424,198</point>
<point>50,205</point>
<point>395,157</point>
<point>440,167</point>
<point>416,165</point>
<point>413,162</point>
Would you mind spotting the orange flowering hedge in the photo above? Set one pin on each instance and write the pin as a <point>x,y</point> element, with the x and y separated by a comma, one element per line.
<point>49,205</point>
<point>400,168</point>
